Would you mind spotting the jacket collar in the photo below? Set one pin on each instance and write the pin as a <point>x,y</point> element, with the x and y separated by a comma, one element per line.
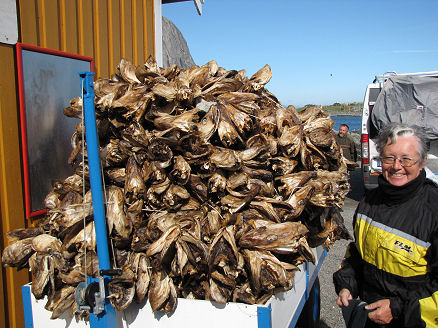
<point>399,194</point>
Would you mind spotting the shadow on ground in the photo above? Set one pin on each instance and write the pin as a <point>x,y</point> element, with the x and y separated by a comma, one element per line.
<point>322,324</point>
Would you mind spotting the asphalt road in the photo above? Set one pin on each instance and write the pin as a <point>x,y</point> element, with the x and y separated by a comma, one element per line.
<point>331,316</point>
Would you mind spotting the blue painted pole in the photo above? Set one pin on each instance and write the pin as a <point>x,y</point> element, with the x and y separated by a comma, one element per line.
<point>94,167</point>
<point>106,319</point>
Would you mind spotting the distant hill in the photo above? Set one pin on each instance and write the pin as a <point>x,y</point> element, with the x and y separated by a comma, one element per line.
<point>340,109</point>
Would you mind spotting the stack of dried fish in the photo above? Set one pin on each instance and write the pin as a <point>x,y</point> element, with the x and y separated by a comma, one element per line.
<point>214,191</point>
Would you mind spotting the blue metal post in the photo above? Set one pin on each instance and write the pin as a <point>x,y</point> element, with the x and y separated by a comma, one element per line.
<point>107,319</point>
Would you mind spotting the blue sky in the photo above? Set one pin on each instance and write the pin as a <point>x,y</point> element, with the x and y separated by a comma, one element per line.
<point>320,51</point>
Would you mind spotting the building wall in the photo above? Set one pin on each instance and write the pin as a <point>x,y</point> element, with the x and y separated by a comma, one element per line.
<point>106,30</point>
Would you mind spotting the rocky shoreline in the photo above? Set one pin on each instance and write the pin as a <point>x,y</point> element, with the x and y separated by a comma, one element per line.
<point>332,113</point>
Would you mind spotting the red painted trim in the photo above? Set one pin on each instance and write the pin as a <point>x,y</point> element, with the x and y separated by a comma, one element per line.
<point>54,52</point>
<point>23,128</point>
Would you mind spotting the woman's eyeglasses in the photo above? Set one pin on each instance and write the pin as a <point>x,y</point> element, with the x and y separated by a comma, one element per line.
<point>405,161</point>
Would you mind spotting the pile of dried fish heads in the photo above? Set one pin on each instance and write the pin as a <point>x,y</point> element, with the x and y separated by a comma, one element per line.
<point>213,191</point>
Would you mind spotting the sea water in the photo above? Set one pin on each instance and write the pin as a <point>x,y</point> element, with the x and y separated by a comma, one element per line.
<point>353,122</point>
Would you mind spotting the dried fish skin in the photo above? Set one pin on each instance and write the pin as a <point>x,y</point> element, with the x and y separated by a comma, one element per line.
<point>160,153</point>
<point>225,158</point>
<point>208,124</point>
<point>134,212</point>
<point>244,294</point>
<point>143,278</point>
<point>224,265</point>
<point>280,237</point>
<point>116,175</point>
<point>42,268</point>
<point>241,121</point>
<point>291,140</point>
<point>72,209</point>
<point>259,174</point>
<point>73,183</point>
<point>180,173</point>
<point>121,293</point>
<point>323,122</point>
<point>175,197</point>
<point>291,183</point>
<point>106,90</point>
<point>62,301</point>
<point>227,131</point>
<point>266,271</point>
<point>196,161</point>
<point>114,153</point>
<point>162,293</point>
<point>127,71</point>
<point>134,185</point>
<point>198,187</point>
<point>131,105</point>
<point>265,209</point>
<point>52,200</point>
<point>163,245</point>
<point>135,134</point>
<point>75,108</point>
<point>217,184</point>
<point>84,263</point>
<point>282,166</point>
<point>75,241</point>
<point>234,204</point>
<point>222,84</point>
<point>45,243</point>
<point>258,152</point>
<point>185,122</point>
<point>328,229</point>
<point>115,215</point>
<point>243,101</point>
<point>259,79</point>
<point>18,253</point>
<point>299,199</point>
<point>22,233</point>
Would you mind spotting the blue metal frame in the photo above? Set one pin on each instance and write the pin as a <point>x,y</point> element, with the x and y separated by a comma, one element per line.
<point>310,280</point>
<point>108,318</point>
<point>264,317</point>
<point>27,306</point>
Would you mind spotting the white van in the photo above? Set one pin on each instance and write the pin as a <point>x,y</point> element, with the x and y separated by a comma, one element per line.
<point>410,98</point>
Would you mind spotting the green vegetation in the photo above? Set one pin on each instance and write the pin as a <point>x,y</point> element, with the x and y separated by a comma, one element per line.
<point>353,107</point>
<point>344,107</point>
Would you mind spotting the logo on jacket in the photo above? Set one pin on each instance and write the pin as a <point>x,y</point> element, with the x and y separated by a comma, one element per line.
<point>403,246</point>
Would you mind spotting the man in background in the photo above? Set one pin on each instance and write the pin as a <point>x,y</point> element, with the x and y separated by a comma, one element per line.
<point>347,144</point>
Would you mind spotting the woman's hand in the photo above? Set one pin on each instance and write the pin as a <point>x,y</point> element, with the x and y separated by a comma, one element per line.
<point>343,297</point>
<point>381,311</point>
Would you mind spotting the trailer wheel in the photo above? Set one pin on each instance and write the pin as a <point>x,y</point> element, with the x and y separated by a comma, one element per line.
<point>310,315</point>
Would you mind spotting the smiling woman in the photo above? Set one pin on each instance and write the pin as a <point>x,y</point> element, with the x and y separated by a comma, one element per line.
<point>391,265</point>
<point>403,153</point>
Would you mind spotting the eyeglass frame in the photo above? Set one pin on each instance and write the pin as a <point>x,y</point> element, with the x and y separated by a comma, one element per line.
<point>394,159</point>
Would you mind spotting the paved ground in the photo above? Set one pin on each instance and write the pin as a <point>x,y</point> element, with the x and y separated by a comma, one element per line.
<point>331,316</point>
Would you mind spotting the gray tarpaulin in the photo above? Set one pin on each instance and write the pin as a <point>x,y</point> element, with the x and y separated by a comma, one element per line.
<point>411,100</point>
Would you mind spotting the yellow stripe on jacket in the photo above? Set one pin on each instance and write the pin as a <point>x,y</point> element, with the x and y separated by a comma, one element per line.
<point>389,249</point>
<point>429,306</point>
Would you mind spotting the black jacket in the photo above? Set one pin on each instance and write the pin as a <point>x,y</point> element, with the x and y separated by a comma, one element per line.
<point>395,253</point>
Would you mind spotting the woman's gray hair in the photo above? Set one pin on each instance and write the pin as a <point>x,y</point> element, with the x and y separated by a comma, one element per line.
<point>394,130</point>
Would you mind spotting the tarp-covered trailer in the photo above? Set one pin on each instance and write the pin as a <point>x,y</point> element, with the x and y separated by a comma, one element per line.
<point>410,98</point>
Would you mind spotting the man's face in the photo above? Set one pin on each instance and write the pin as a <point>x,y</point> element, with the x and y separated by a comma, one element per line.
<point>343,131</point>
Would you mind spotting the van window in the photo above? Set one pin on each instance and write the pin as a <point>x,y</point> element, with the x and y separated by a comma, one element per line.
<point>374,93</point>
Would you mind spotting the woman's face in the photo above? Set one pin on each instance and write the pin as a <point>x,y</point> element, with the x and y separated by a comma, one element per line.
<point>405,147</point>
